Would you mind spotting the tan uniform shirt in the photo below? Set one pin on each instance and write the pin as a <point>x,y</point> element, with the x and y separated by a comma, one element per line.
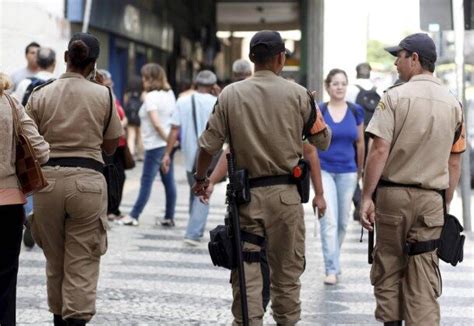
<point>71,114</point>
<point>266,115</point>
<point>419,118</point>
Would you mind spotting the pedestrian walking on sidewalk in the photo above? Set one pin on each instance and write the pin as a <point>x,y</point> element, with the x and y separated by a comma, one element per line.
<point>341,167</point>
<point>190,120</point>
<point>79,120</point>
<point>155,116</point>
<point>412,159</point>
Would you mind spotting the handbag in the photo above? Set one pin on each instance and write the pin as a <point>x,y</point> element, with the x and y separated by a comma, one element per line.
<point>215,158</point>
<point>28,169</point>
<point>128,161</point>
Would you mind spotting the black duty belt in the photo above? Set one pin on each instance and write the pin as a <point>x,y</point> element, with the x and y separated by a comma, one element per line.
<point>385,183</point>
<point>271,181</point>
<point>73,162</point>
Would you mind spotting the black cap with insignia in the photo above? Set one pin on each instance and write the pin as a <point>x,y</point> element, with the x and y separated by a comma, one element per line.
<point>420,43</point>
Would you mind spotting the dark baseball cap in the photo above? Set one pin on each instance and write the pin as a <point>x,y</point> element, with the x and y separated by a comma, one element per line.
<point>420,43</point>
<point>90,40</point>
<point>271,41</point>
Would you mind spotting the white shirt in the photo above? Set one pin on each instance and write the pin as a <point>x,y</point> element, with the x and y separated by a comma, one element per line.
<point>183,117</point>
<point>164,103</point>
<point>20,74</point>
<point>353,90</point>
<point>23,85</point>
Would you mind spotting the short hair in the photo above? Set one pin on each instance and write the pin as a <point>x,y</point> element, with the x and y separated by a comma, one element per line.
<point>241,69</point>
<point>331,74</point>
<point>105,73</point>
<point>241,66</point>
<point>260,54</point>
<point>425,63</point>
<point>31,45</point>
<point>45,57</point>
<point>363,70</point>
<point>156,75</point>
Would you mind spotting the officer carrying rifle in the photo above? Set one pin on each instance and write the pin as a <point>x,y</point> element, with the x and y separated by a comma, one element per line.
<point>265,119</point>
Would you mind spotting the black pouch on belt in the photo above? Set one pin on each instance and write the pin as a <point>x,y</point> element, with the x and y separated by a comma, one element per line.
<point>451,242</point>
<point>301,175</point>
<point>220,247</point>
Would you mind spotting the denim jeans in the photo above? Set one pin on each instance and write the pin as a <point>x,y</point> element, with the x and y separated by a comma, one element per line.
<point>338,191</point>
<point>28,206</point>
<point>197,214</point>
<point>151,167</point>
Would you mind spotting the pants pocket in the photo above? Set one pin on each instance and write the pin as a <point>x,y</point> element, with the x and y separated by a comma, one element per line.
<point>375,269</point>
<point>101,241</point>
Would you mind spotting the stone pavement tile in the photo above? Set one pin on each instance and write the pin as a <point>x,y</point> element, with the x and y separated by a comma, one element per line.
<point>149,277</point>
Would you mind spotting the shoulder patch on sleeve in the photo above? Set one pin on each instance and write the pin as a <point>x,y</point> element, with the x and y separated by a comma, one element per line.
<point>380,106</point>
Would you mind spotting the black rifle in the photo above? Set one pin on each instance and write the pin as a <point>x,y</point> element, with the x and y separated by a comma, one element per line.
<point>233,220</point>
<point>371,246</point>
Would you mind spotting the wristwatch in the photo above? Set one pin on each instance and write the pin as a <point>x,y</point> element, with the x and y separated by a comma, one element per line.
<point>198,179</point>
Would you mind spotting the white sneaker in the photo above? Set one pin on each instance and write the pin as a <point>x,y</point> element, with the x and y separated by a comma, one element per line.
<point>330,279</point>
<point>127,220</point>
<point>191,242</point>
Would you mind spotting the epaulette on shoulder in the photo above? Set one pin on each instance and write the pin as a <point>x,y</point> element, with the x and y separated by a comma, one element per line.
<point>43,85</point>
<point>393,86</point>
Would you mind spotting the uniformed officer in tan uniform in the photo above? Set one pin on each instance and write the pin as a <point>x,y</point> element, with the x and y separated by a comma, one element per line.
<point>266,115</point>
<point>417,145</point>
<point>78,119</point>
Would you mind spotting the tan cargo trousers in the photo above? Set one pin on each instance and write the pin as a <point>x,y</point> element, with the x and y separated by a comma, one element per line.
<point>69,224</point>
<point>276,213</point>
<point>406,287</point>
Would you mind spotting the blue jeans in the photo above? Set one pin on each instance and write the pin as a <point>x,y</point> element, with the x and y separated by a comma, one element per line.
<point>28,206</point>
<point>197,214</point>
<point>151,167</point>
<point>338,191</point>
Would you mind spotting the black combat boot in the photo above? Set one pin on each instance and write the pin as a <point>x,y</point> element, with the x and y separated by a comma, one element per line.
<point>58,321</point>
<point>75,322</point>
<point>393,323</point>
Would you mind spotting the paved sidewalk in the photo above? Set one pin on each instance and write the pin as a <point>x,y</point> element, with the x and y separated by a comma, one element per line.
<point>150,277</point>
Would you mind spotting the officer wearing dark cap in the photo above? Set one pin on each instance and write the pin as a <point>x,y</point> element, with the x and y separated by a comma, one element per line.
<point>418,139</point>
<point>79,120</point>
<point>264,116</point>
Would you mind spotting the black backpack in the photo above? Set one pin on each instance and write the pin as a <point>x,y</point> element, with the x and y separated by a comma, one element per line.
<point>368,99</point>
<point>35,82</point>
<point>131,109</point>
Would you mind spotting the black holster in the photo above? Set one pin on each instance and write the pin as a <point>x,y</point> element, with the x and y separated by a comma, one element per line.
<point>303,182</point>
<point>242,187</point>
<point>450,244</point>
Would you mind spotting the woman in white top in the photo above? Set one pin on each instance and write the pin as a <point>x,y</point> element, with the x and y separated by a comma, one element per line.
<point>155,114</point>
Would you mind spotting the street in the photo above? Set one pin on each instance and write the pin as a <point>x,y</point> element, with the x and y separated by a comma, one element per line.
<point>150,277</point>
